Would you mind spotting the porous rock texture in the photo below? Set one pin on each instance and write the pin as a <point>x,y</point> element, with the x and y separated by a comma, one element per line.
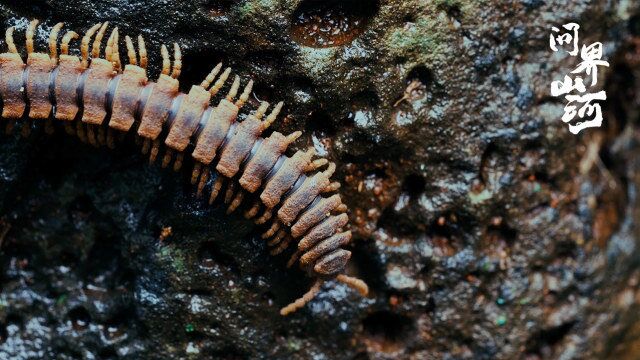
<point>483,227</point>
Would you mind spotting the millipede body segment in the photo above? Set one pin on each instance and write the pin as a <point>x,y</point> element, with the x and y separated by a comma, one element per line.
<point>100,100</point>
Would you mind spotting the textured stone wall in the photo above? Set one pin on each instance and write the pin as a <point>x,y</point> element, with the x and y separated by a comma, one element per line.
<point>483,227</point>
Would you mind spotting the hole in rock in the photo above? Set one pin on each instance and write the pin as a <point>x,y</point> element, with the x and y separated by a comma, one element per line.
<point>387,331</point>
<point>331,23</point>
<point>80,318</point>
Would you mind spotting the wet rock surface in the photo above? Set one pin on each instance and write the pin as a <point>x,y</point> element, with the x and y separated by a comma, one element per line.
<point>483,227</point>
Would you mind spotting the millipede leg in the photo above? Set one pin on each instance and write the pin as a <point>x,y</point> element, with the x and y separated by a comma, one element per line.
<point>143,52</point>
<point>84,45</point>
<point>167,157</point>
<point>26,129</point>
<point>342,208</point>
<point>166,62</point>
<point>220,82</point>
<point>215,190</point>
<point>283,246</point>
<point>102,136</point>
<point>272,230</point>
<point>30,30</point>
<point>11,124</point>
<point>265,217</point>
<point>146,145</point>
<point>9,40</point>
<point>212,75</point>
<point>331,187</point>
<point>276,240</point>
<point>316,164</point>
<point>131,51</point>
<point>53,41</point>
<point>80,131</point>
<point>299,303</point>
<point>155,149</point>
<point>195,174</point>
<point>68,128</point>
<point>261,110</point>
<point>91,136</point>
<point>177,61</point>
<point>233,91</point>
<point>354,283</point>
<point>178,163</point>
<point>108,50</point>
<point>203,181</point>
<point>293,137</point>
<point>231,189</point>
<point>110,139</point>
<point>97,43</point>
<point>253,211</point>
<point>116,50</point>
<point>48,127</point>
<point>245,94</point>
<point>236,202</point>
<point>294,257</point>
<point>272,116</point>
<point>66,39</point>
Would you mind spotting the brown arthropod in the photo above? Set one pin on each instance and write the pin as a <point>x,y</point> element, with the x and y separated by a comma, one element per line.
<point>100,99</point>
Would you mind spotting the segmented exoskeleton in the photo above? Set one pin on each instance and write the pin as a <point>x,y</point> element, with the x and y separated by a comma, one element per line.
<point>99,100</point>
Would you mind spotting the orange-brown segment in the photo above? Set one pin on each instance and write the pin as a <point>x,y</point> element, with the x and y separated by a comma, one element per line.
<point>40,67</point>
<point>11,86</point>
<point>302,197</point>
<point>284,178</point>
<point>126,97</point>
<point>188,118</point>
<point>96,87</point>
<point>258,167</point>
<point>157,107</point>
<point>69,70</point>
<point>315,214</point>
<point>239,146</point>
<point>214,132</point>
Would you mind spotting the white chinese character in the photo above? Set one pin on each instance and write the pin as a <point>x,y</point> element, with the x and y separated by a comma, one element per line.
<point>566,38</point>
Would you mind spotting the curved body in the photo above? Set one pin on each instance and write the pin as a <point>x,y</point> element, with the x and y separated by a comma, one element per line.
<point>98,100</point>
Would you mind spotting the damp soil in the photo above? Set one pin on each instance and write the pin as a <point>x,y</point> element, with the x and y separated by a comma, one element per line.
<point>483,227</point>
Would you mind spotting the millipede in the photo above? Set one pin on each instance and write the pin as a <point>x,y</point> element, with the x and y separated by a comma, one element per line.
<point>100,100</point>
